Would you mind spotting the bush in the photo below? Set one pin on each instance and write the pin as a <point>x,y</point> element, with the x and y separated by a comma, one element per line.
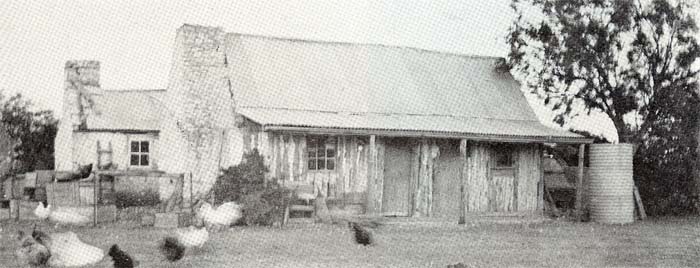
<point>245,184</point>
<point>123,199</point>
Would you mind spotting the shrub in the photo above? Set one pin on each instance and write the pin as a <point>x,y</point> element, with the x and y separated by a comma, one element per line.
<point>123,199</point>
<point>245,184</point>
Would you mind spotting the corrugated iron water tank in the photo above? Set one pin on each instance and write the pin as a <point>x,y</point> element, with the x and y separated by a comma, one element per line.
<point>611,183</point>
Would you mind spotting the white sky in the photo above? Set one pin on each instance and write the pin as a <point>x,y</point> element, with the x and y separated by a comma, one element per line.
<point>134,40</point>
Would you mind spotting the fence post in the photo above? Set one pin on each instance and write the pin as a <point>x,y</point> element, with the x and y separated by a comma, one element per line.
<point>191,203</point>
<point>579,181</point>
<point>94,199</point>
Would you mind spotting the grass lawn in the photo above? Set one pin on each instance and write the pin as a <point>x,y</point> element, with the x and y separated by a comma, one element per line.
<point>669,242</point>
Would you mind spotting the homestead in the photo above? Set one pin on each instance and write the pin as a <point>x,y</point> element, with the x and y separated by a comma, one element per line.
<point>396,131</point>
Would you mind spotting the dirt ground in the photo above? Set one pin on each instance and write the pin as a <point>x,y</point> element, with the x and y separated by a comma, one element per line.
<point>669,242</point>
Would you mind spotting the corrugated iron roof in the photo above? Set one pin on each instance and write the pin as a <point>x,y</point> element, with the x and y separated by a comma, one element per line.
<point>420,125</point>
<point>296,83</point>
<point>126,110</point>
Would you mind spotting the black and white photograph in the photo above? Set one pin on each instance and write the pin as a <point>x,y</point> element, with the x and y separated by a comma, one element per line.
<point>350,133</point>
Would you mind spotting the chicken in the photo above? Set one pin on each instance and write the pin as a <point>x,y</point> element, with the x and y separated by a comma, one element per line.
<point>223,216</point>
<point>31,252</point>
<point>172,249</point>
<point>64,216</point>
<point>362,235</point>
<point>120,258</point>
<point>191,237</point>
<point>84,171</point>
<point>39,236</point>
<point>67,250</point>
<point>42,210</point>
<point>59,215</point>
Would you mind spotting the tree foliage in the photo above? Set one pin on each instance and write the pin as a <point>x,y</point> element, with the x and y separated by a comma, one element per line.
<point>33,133</point>
<point>666,161</point>
<point>615,57</point>
<point>622,58</point>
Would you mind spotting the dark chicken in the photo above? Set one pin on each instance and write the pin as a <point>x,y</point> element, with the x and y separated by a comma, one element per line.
<point>172,249</point>
<point>120,258</point>
<point>362,235</point>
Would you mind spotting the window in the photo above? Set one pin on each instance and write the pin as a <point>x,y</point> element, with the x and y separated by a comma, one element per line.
<point>503,156</point>
<point>320,153</point>
<point>139,154</point>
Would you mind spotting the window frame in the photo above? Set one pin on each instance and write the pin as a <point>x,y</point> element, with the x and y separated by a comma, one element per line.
<point>313,149</point>
<point>141,154</point>
<point>507,150</point>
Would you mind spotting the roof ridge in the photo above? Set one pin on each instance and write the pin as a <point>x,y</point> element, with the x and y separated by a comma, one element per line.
<point>378,113</point>
<point>346,43</point>
<point>328,42</point>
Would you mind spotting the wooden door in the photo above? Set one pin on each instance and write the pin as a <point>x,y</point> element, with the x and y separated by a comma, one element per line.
<point>446,185</point>
<point>397,175</point>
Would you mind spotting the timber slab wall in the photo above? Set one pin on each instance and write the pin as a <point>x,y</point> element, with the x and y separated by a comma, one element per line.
<point>401,176</point>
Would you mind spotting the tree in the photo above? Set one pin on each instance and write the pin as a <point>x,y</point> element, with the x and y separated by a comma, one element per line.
<point>33,133</point>
<point>666,161</point>
<point>7,145</point>
<point>614,57</point>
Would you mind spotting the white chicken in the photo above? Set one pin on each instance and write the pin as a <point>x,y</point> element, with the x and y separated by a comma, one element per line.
<point>68,251</point>
<point>223,216</point>
<point>42,211</point>
<point>59,215</point>
<point>192,237</point>
<point>64,216</point>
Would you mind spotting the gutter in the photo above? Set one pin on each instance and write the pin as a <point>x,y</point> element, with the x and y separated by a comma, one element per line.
<point>127,131</point>
<point>426,134</point>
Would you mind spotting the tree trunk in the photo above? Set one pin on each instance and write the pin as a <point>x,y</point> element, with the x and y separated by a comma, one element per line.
<point>623,134</point>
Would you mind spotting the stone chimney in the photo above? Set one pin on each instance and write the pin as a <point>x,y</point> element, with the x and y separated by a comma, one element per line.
<point>86,72</point>
<point>82,81</point>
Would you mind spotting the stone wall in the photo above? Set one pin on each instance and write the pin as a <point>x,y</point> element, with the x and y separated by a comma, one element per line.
<point>200,134</point>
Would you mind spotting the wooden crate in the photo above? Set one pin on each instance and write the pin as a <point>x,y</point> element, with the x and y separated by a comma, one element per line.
<point>25,209</point>
<point>172,220</point>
